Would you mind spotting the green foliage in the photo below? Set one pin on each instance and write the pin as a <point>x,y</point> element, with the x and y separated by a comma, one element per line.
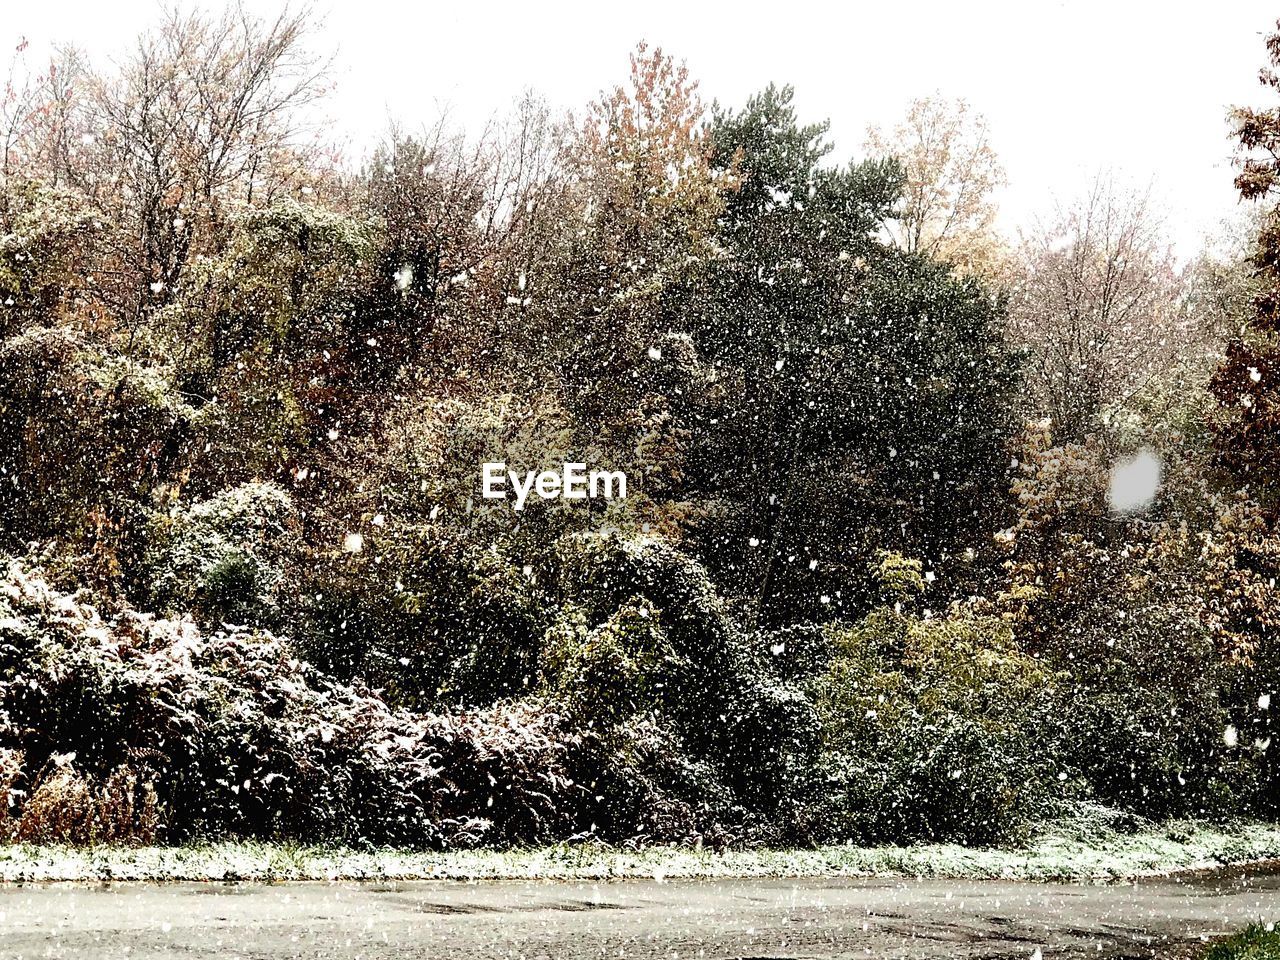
<point>601,574</point>
<point>267,335</point>
<point>84,432</point>
<point>931,730</point>
<point>761,742</point>
<point>865,395</point>
<point>45,233</point>
<point>900,577</point>
<point>437,623</point>
<point>1257,942</point>
<point>221,560</point>
<point>613,672</point>
<point>1145,721</point>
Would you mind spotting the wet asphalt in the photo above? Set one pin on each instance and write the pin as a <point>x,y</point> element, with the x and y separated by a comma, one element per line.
<point>635,919</point>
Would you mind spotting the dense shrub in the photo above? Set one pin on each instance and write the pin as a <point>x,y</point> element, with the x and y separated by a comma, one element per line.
<point>931,730</point>
<point>903,726</point>
<point>602,573</point>
<point>611,672</point>
<point>433,622</point>
<point>1143,723</point>
<point>647,634</point>
<point>65,806</point>
<point>239,737</point>
<point>220,560</point>
<point>652,789</point>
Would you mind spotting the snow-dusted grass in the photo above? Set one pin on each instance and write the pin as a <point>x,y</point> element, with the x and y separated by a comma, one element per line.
<point>1058,854</point>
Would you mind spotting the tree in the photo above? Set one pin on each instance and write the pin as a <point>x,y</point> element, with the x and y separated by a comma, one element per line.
<point>465,229</point>
<point>205,114</point>
<point>43,116</point>
<point>1099,306</point>
<point>636,221</point>
<point>649,197</point>
<point>115,185</point>
<point>863,391</point>
<point>950,171</point>
<point>1243,549</point>
<point>1247,385</point>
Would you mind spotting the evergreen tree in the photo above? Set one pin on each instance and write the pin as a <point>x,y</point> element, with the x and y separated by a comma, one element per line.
<point>865,392</point>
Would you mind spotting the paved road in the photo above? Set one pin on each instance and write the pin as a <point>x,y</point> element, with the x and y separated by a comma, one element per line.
<point>564,921</point>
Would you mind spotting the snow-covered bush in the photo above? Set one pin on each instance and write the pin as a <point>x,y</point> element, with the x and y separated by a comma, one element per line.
<point>603,573</point>
<point>240,738</point>
<point>47,232</point>
<point>652,789</point>
<point>638,599</point>
<point>83,433</point>
<point>220,559</point>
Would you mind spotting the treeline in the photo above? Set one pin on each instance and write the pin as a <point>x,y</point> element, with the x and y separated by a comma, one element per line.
<point>867,583</point>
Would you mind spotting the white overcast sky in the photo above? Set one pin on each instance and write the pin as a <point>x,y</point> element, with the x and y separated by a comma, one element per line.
<point>1139,89</point>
